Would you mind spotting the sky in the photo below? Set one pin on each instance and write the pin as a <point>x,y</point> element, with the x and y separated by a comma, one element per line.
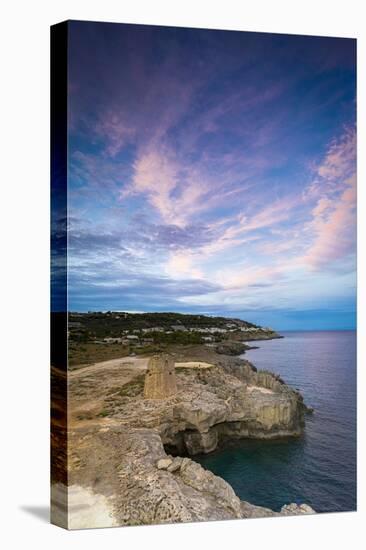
<point>212,172</point>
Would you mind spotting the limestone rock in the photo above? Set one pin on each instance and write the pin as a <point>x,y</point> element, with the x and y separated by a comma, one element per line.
<point>250,511</point>
<point>212,405</point>
<point>164,463</point>
<point>230,347</point>
<point>187,412</point>
<point>296,509</point>
<point>145,493</point>
<point>176,464</point>
<point>148,495</point>
<point>196,442</point>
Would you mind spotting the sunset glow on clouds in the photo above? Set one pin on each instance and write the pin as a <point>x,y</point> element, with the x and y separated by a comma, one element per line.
<point>212,172</point>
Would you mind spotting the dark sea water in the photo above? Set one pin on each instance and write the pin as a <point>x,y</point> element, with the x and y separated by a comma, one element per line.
<point>319,468</point>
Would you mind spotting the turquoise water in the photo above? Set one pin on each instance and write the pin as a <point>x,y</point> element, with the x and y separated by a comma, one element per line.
<point>320,467</point>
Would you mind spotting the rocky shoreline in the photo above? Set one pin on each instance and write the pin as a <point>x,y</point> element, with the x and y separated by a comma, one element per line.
<point>135,451</point>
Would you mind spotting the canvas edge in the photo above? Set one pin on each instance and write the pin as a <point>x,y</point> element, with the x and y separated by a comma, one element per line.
<point>58,313</point>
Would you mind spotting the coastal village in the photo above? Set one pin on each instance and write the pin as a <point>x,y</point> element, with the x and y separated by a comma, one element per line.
<point>99,336</point>
<point>209,334</point>
<point>135,333</point>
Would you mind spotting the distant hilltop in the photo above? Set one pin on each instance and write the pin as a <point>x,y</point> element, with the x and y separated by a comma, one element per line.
<point>100,336</point>
<point>164,320</point>
<point>112,325</point>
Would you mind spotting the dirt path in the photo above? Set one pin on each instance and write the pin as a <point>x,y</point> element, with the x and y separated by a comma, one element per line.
<point>120,363</point>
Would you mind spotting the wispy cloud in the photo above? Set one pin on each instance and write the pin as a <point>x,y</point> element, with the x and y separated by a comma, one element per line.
<point>212,171</point>
<point>333,223</point>
<point>169,188</point>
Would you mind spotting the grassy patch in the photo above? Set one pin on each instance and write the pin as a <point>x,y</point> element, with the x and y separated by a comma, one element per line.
<point>133,388</point>
<point>103,413</point>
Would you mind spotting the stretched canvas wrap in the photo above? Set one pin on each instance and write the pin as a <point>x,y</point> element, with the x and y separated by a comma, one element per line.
<point>203,274</point>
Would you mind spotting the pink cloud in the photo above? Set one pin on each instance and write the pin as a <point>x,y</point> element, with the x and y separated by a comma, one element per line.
<point>333,224</point>
<point>115,131</point>
<point>239,228</point>
<point>238,279</point>
<point>177,197</point>
<point>340,159</point>
<point>184,264</point>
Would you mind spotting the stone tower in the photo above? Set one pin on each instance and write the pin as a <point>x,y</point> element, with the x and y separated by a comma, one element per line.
<point>160,381</point>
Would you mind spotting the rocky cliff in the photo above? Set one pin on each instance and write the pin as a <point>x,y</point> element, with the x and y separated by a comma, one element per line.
<point>211,405</point>
<point>140,484</point>
<point>129,456</point>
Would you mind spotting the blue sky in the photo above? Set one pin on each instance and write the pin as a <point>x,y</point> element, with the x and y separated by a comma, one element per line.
<point>212,172</point>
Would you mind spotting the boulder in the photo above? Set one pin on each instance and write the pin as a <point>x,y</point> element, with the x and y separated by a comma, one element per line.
<point>296,509</point>
<point>197,442</point>
<point>164,463</point>
<point>176,464</point>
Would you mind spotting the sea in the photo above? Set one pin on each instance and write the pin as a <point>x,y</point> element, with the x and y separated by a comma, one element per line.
<point>318,468</point>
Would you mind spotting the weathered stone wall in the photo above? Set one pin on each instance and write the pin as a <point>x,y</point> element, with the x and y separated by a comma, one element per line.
<point>160,379</point>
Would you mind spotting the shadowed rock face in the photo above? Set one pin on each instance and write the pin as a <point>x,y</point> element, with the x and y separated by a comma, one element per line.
<point>160,381</point>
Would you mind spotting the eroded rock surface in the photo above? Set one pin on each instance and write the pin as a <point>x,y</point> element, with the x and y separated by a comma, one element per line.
<point>142,485</point>
<point>211,405</point>
<point>125,450</point>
